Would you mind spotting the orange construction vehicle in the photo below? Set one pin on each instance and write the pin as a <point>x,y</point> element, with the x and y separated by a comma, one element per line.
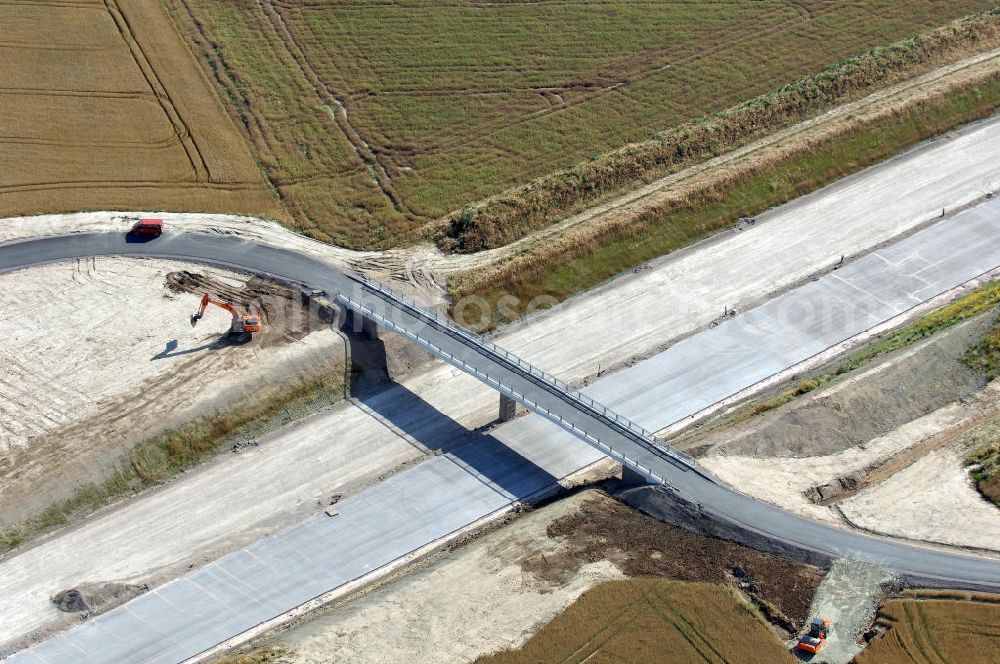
<point>243,325</point>
<point>815,639</point>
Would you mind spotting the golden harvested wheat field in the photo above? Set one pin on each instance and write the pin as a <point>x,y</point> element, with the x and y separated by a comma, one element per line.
<point>102,106</point>
<point>937,630</point>
<point>652,620</point>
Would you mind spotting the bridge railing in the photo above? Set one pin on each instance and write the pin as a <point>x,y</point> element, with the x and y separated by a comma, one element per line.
<point>421,312</point>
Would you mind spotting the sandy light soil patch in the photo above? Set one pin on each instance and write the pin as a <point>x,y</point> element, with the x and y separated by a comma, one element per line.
<point>100,352</point>
<point>933,500</point>
<point>475,600</point>
<point>919,480</point>
<point>864,432</point>
<point>786,481</point>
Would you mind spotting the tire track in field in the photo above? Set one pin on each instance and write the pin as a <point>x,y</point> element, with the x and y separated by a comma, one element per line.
<point>128,184</point>
<point>183,132</point>
<point>724,45</point>
<point>611,628</point>
<point>337,110</point>
<point>923,637</point>
<point>228,80</point>
<point>56,92</point>
<point>672,617</point>
<point>73,143</point>
<point>66,4</point>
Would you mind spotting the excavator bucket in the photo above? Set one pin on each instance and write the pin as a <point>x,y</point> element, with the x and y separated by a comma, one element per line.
<point>196,316</point>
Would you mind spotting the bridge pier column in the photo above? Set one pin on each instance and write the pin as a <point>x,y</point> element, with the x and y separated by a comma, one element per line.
<point>371,329</point>
<point>508,408</point>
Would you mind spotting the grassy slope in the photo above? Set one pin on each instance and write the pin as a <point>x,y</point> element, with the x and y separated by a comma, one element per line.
<point>516,212</point>
<point>978,302</point>
<point>985,460</point>
<point>460,100</point>
<point>170,453</point>
<point>577,267</point>
<point>652,620</point>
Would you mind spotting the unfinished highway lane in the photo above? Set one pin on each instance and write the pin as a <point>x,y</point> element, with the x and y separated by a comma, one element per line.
<point>447,493</point>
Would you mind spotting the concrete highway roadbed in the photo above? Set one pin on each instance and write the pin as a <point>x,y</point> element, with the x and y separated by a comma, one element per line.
<point>485,477</point>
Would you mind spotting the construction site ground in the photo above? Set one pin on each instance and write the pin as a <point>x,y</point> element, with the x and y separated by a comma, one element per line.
<point>112,358</point>
<point>882,448</point>
<point>243,497</point>
<point>849,596</point>
<point>497,590</point>
<point>119,360</point>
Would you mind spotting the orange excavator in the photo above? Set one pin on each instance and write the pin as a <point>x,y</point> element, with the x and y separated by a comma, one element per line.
<point>814,640</point>
<point>243,325</point>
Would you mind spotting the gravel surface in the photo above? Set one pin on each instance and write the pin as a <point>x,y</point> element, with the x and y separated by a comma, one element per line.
<point>849,596</point>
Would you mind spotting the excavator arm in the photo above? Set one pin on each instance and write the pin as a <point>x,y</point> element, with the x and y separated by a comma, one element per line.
<point>206,300</point>
<point>242,324</point>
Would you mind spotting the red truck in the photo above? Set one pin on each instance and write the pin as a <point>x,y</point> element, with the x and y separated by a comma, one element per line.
<point>152,227</point>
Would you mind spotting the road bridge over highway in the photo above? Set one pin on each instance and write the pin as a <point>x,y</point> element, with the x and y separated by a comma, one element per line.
<point>514,378</point>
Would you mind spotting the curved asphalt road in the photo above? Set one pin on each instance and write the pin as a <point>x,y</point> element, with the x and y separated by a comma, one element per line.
<point>919,565</point>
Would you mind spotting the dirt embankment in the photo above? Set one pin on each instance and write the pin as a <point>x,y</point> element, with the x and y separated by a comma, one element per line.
<point>860,407</point>
<point>881,448</point>
<point>286,313</point>
<point>642,546</point>
<point>497,590</point>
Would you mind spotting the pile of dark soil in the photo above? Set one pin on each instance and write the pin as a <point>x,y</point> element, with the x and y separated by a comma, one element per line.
<point>287,313</point>
<point>642,546</point>
<point>95,597</point>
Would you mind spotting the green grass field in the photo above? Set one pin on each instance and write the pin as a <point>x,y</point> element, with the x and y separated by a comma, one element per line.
<point>578,266</point>
<point>370,119</point>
